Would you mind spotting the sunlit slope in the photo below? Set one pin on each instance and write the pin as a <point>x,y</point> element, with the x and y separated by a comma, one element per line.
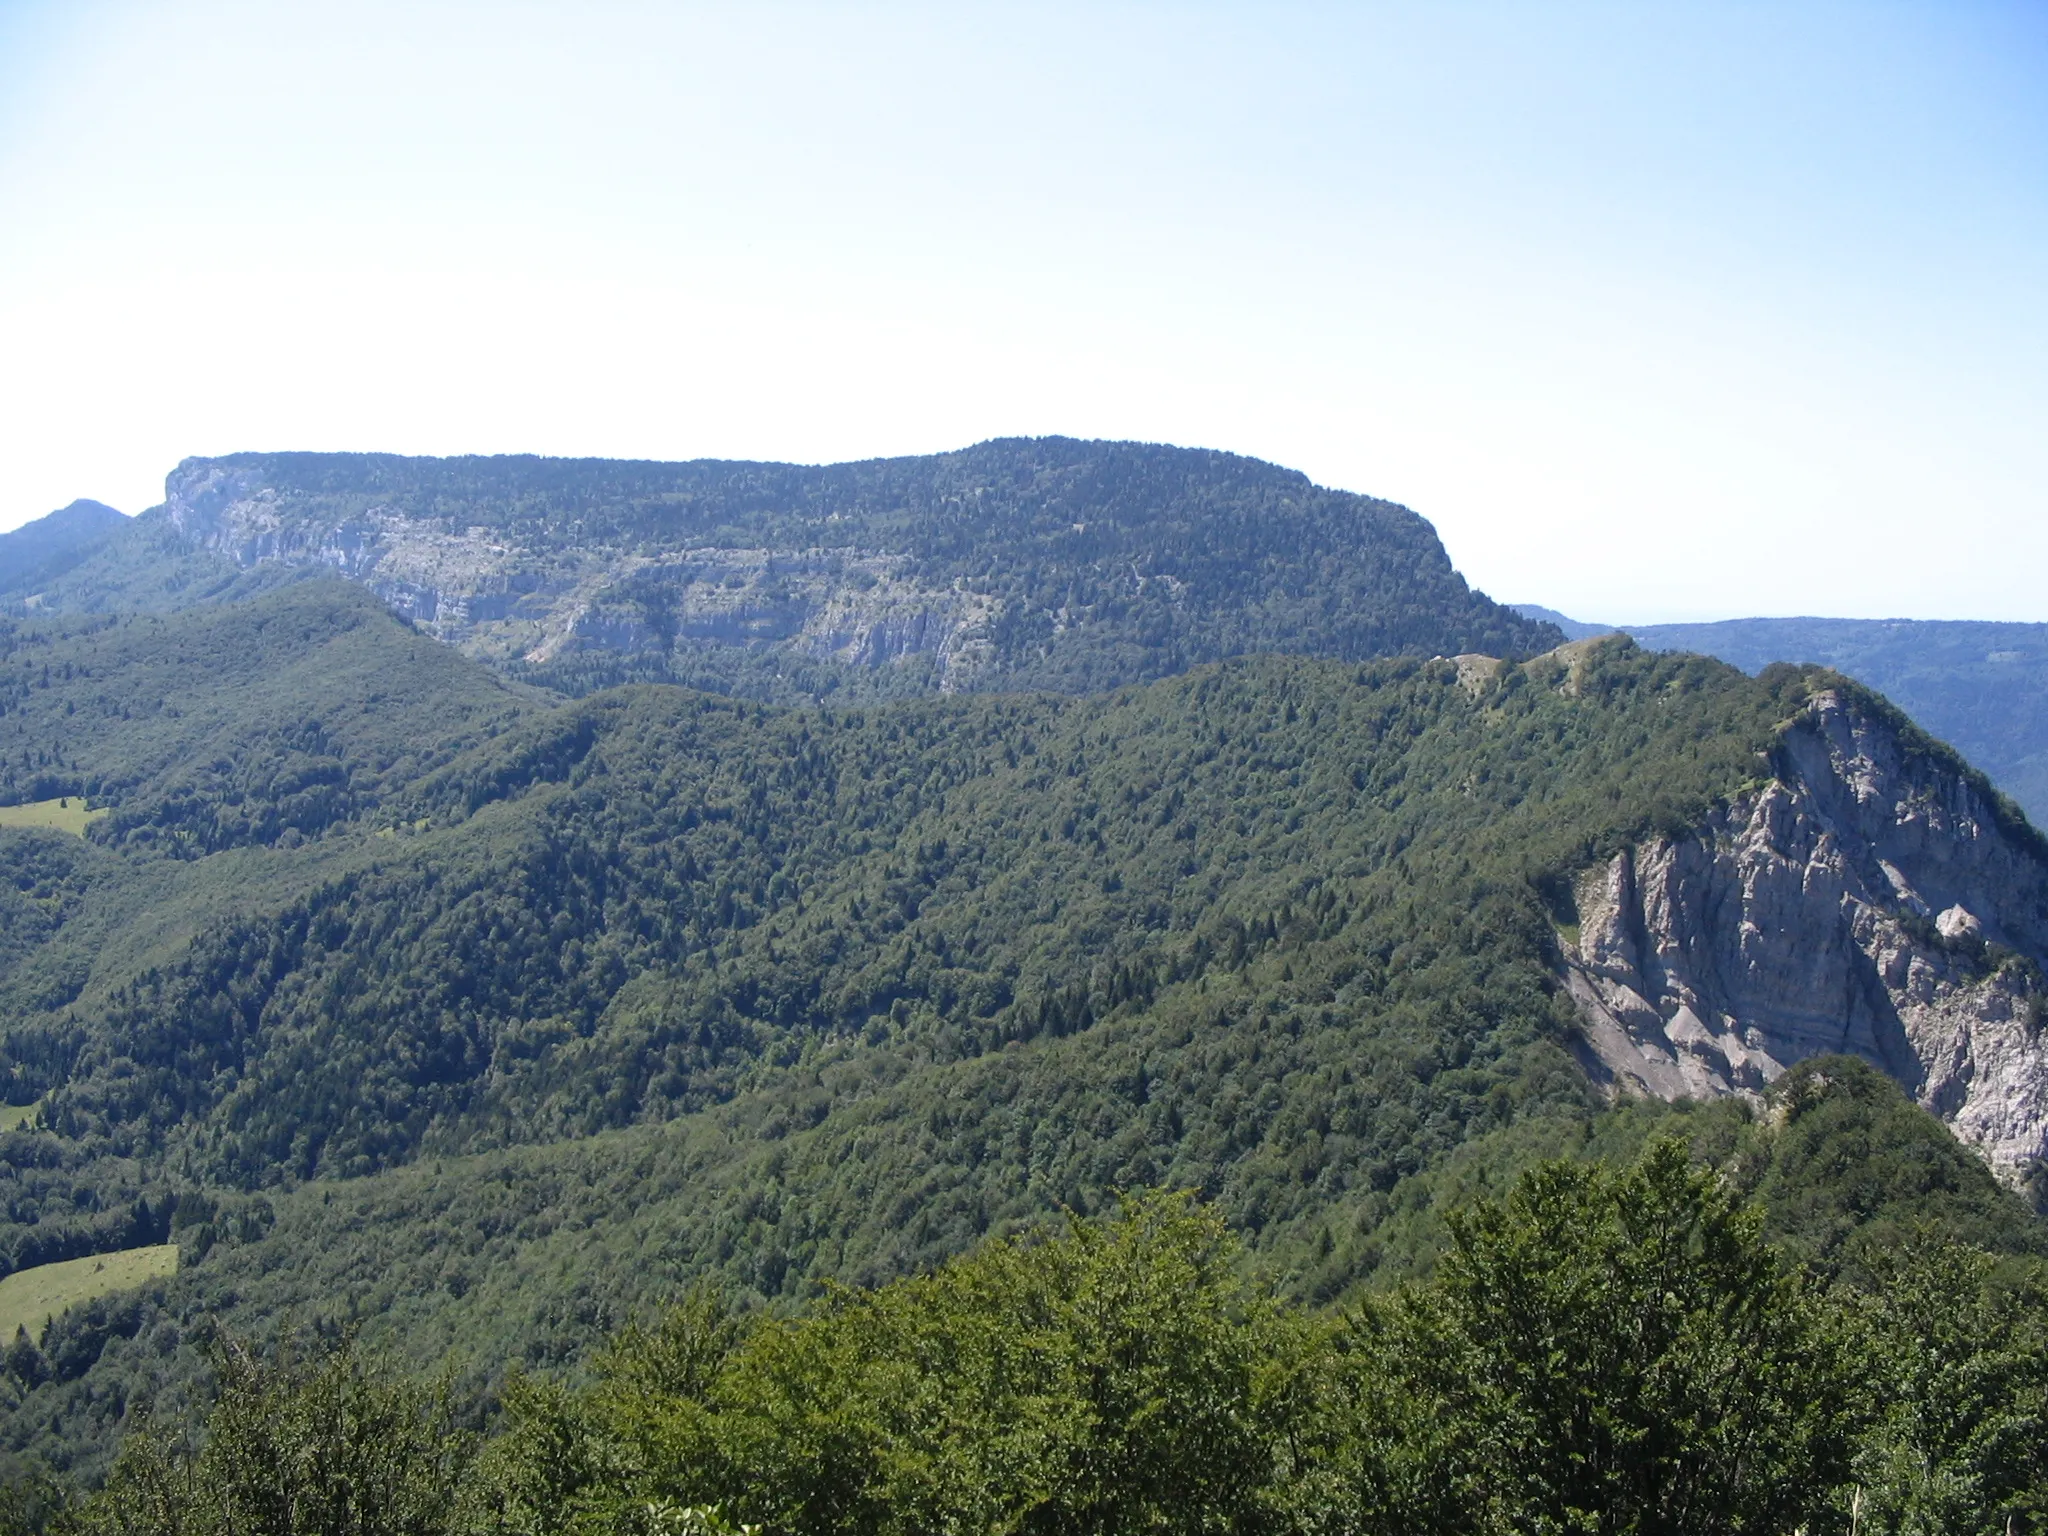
<point>571,1003</point>
<point>629,908</point>
<point>30,1298</point>
<point>66,813</point>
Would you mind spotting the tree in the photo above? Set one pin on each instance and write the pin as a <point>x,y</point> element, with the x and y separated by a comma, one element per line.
<point>1119,1377</point>
<point>1607,1353</point>
<point>1961,1351</point>
<point>324,1447</point>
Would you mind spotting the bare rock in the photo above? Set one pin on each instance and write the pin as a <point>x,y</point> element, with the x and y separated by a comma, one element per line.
<point>1957,923</point>
<point>1795,923</point>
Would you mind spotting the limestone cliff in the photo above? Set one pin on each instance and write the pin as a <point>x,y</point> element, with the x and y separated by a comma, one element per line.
<point>1870,896</point>
<point>497,596</point>
<point>1023,563</point>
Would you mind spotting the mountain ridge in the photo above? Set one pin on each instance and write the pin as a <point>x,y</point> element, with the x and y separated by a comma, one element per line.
<point>1979,684</point>
<point>1016,564</point>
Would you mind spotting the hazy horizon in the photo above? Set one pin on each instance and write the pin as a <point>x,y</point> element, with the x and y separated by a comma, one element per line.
<point>1658,315</point>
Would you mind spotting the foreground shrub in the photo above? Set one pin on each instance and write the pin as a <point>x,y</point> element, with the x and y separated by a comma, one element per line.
<point>326,1447</point>
<point>1603,1352</point>
<point>1120,1377</point>
<point>1608,1352</point>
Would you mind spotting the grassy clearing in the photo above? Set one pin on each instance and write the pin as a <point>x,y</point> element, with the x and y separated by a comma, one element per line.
<point>14,1116</point>
<point>66,815</point>
<point>31,1297</point>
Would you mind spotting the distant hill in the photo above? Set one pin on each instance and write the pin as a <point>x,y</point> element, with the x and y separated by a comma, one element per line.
<point>49,546</point>
<point>1023,564</point>
<point>1572,629</point>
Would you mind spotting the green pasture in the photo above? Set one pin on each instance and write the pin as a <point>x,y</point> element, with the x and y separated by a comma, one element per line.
<point>29,1298</point>
<point>14,1116</point>
<point>67,814</point>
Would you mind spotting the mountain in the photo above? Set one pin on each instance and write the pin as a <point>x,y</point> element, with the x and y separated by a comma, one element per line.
<point>44,549</point>
<point>1867,898</point>
<point>1019,564</point>
<point>1982,687</point>
<point>404,996</point>
<point>1570,628</point>
<point>1052,819</point>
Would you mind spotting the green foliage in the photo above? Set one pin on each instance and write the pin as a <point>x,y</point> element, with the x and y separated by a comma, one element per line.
<point>32,1503</point>
<point>1121,1378</point>
<point>1958,1347</point>
<point>324,1447</point>
<point>1854,1171</point>
<point>642,901</point>
<point>1601,1350</point>
<point>1613,1352</point>
<point>237,723</point>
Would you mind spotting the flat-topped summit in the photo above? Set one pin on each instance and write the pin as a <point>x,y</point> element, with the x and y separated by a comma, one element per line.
<point>1018,563</point>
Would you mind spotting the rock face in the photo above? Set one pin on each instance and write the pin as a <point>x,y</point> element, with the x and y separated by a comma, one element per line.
<point>1870,898</point>
<point>497,597</point>
<point>1023,563</point>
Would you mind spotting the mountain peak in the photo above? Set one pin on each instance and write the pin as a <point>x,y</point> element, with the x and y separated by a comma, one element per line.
<point>39,550</point>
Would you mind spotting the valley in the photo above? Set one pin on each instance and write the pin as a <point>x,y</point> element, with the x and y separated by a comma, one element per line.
<point>421,985</point>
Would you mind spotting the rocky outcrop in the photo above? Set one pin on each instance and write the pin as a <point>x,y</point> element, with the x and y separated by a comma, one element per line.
<point>1035,563</point>
<point>1870,897</point>
<point>485,593</point>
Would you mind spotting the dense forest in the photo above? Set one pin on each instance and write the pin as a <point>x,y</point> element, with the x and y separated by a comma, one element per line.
<point>1616,1346</point>
<point>643,906</point>
<point>437,1018</point>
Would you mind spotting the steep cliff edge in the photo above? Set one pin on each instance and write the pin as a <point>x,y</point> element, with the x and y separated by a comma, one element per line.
<point>1873,896</point>
<point>1026,563</point>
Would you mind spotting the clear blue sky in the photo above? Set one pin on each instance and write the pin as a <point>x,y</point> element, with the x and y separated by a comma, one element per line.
<point>1657,311</point>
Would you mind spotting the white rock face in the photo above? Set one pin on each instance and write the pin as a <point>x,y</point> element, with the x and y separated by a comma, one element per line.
<point>1802,921</point>
<point>493,599</point>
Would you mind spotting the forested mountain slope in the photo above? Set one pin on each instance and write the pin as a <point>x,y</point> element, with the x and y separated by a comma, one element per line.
<point>228,749</point>
<point>526,1260</point>
<point>1982,687</point>
<point>657,982</point>
<point>1024,563</point>
<point>40,551</point>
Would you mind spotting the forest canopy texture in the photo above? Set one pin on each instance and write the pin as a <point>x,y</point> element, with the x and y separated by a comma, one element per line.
<point>737,1112</point>
<point>1600,1349</point>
